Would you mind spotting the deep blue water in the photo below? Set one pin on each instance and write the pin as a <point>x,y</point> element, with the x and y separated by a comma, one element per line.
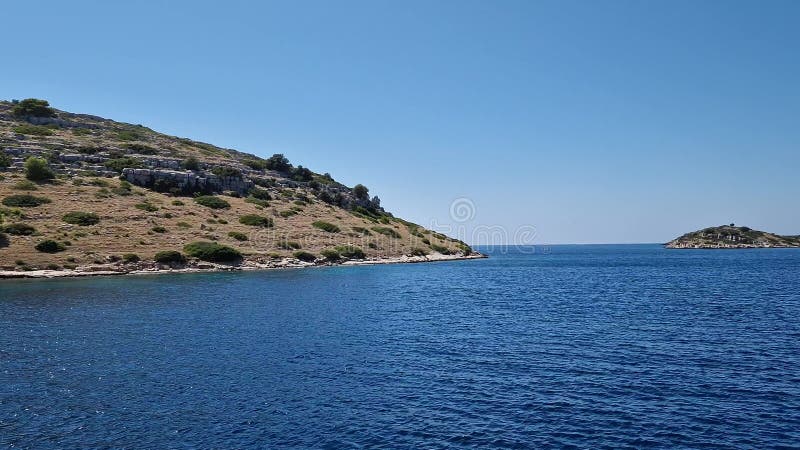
<point>581,346</point>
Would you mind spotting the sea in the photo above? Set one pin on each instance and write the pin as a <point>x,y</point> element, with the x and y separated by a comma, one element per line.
<point>583,347</point>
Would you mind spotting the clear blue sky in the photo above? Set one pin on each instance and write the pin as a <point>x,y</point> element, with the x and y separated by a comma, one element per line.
<point>595,122</point>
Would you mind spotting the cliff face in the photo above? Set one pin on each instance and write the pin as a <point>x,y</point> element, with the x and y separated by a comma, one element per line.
<point>146,192</point>
<point>730,236</point>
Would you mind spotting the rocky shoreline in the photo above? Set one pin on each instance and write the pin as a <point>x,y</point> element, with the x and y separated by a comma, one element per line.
<point>203,267</point>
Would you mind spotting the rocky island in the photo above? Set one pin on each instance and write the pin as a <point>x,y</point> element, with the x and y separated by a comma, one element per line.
<point>85,195</point>
<point>731,236</point>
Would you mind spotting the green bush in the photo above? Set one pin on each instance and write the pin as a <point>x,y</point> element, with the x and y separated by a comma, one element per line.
<point>149,207</point>
<point>278,162</point>
<point>287,213</point>
<point>261,194</point>
<point>183,225</point>
<point>36,169</point>
<point>331,254</point>
<point>18,229</point>
<point>24,201</point>
<point>256,221</point>
<point>177,203</point>
<point>289,245</point>
<point>158,229</point>
<point>255,164</point>
<point>361,192</point>
<point>142,149</point>
<point>239,236</point>
<point>131,258</point>
<point>191,163</point>
<point>326,226</point>
<point>25,185</point>
<point>212,202</point>
<point>32,130</point>
<point>305,256</point>
<point>441,249</point>
<point>50,246</point>
<point>117,164</point>
<point>386,231</point>
<point>169,257</point>
<point>33,107</point>
<point>128,135</point>
<point>81,218</point>
<point>350,251</point>
<point>362,230</point>
<point>255,201</point>
<point>5,160</point>
<point>223,171</point>
<point>416,251</point>
<point>211,251</point>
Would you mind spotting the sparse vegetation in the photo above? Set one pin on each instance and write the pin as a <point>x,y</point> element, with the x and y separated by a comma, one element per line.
<point>362,230</point>
<point>32,130</point>
<point>386,231</point>
<point>416,251</point>
<point>289,245</point>
<point>118,164</point>
<point>81,218</point>
<point>350,252</point>
<point>223,171</point>
<point>158,229</point>
<point>25,201</point>
<point>212,252</point>
<point>326,226</point>
<point>212,202</point>
<point>146,206</point>
<point>191,163</point>
<point>25,185</point>
<point>5,160</point>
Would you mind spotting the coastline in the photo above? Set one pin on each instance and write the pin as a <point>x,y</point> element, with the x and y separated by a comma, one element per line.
<point>204,267</point>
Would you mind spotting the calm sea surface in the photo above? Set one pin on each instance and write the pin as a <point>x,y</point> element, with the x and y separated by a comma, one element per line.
<point>581,346</point>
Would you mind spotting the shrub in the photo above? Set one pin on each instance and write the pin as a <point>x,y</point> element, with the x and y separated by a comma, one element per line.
<point>36,169</point>
<point>287,213</point>
<point>128,135</point>
<point>289,245</point>
<point>441,249</point>
<point>191,163</point>
<point>169,257</point>
<point>3,240</point>
<point>256,221</point>
<point>300,173</point>
<point>326,226</point>
<point>372,245</point>
<point>386,231</point>
<point>331,254</point>
<point>131,258</point>
<point>350,251</point>
<point>362,230</point>
<point>33,107</point>
<point>238,235</point>
<point>223,171</point>
<point>5,160</point>
<point>142,149</point>
<point>211,251</point>
<point>19,229</point>
<point>158,229</point>
<point>258,202</point>
<point>117,164</point>
<point>212,202</point>
<point>278,162</point>
<point>416,251</point>
<point>25,185</point>
<point>183,225</point>
<point>81,218</point>
<point>50,246</point>
<point>149,207</point>
<point>24,200</point>
<point>361,192</point>
<point>32,130</point>
<point>177,203</point>
<point>261,194</point>
<point>305,256</point>
<point>255,164</point>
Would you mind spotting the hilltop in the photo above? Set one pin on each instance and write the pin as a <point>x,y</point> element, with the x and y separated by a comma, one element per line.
<point>86,194</point>
<point>731,236</point>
